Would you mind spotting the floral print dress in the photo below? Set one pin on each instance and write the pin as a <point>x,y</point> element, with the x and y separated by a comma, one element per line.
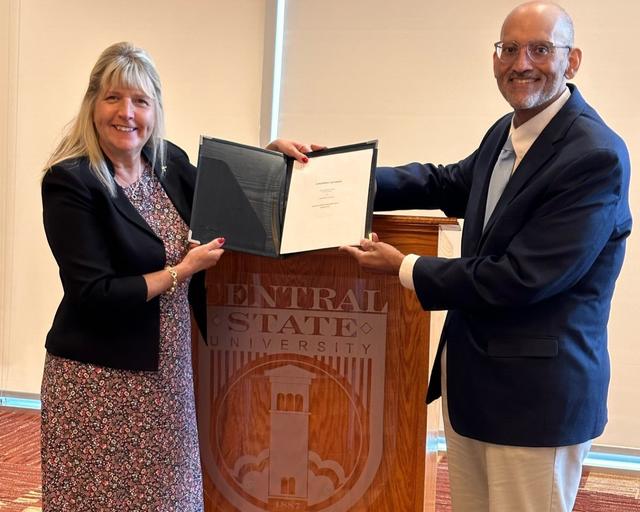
<point>116,440</point>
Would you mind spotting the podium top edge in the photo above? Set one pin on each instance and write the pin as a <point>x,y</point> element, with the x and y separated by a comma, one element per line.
<point>450,223</point>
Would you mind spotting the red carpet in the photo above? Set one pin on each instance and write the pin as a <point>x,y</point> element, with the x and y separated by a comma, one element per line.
<point>20,474</point>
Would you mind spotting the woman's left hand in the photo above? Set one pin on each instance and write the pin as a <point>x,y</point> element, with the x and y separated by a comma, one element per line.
<point>294,149</point>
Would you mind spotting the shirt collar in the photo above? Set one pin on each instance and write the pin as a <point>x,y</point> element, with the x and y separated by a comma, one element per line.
<point>526,134</point>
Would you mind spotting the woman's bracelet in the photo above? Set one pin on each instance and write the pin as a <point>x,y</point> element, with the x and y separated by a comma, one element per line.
<point>174,278</point>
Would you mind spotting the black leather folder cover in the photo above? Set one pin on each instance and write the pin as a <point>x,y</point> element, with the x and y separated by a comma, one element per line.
<point>240,195</point>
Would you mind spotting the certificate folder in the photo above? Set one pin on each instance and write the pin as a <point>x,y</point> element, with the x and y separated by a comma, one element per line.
<point>263,202</point>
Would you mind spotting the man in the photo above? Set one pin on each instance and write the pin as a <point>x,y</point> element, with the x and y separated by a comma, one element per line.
<point>522,364</point>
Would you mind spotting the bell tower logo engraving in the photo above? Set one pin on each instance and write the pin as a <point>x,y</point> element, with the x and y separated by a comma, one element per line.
<point>293,384</point>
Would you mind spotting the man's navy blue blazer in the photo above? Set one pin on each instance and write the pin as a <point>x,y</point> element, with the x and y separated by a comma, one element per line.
<point>529,298</point>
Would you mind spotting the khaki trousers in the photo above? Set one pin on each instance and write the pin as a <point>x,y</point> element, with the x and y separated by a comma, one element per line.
<point>488,477</point>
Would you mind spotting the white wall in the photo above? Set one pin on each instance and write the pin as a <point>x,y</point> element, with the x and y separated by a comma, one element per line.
<point>418,76</point>
<point>209,54</point>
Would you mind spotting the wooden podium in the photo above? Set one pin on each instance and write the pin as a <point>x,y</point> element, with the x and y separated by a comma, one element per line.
<point>311,388</point>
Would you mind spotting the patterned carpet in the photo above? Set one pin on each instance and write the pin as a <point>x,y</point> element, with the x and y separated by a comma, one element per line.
<point>599,492</point>
<point>20,474</point>
<point>20,461</point>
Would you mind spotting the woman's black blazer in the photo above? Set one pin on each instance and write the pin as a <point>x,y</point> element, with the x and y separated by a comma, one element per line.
<point>103,247</point>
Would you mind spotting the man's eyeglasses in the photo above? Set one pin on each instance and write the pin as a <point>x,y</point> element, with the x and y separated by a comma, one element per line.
<point>538,52</point>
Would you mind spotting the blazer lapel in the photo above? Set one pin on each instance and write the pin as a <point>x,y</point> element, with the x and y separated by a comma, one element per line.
<point>175,188</point>
<point>535,158</point>
<point>126,209</point>
<point>540,152</point>
<point>488,154</point>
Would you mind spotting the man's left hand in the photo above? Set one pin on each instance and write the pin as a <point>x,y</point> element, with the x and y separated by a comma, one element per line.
<point>376,256</point>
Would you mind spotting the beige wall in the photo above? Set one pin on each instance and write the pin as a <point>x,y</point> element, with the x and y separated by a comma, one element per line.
<point>414,73</point>
<point>417,76</point>
<point>8,37</point>
<point>209,56</point>
<point>4,104</point>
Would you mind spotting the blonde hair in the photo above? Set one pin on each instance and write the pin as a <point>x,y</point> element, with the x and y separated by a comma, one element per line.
<point>120,65</point>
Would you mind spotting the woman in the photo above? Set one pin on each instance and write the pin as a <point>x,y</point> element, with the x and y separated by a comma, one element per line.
<point>118,413</point>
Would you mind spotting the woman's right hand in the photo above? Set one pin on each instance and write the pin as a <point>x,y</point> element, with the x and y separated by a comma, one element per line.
<point>200,257</point>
